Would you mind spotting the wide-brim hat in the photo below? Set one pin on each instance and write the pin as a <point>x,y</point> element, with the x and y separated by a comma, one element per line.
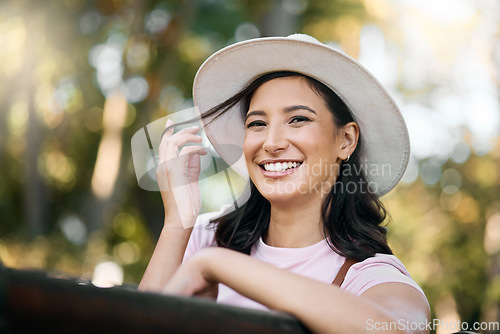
<point>386,146</point>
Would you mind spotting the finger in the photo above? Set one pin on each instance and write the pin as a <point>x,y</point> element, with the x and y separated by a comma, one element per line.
<point>191,129</point>
<point>192,150</point>
<point>169,149</point>
<point>193,169</point>
<point>169,129</point>
<point>167,133</point>
<point>177,165</point>
<point>184,139</point>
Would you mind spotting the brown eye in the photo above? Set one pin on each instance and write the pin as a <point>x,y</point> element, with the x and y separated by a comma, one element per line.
<point>297,119</point>
<point>255,124</point>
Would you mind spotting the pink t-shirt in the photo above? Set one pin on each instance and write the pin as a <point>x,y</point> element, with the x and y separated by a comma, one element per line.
<point>317,261</point>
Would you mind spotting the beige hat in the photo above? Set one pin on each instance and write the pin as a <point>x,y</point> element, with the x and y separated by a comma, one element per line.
<point>386,143</point>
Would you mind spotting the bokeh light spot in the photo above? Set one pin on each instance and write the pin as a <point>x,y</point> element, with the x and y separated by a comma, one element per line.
<point>157,20</point>
<point>468,210</point>
<point>124,224</point>
<point>246,31</point>
<point>430,172</point>
<point>492,234</point>
<point>451,178</point>
<point>107,274</point>
<point>126,252</point>
<point>18,117</point>
<point>136,89</point>
<point>450,199</point>
<point>89,22</point>
<point>73,229</point>
<point>295,7</point>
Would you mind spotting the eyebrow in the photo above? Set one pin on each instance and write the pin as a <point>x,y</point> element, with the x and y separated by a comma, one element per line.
<point>299,107</point>
<point>286,110</point>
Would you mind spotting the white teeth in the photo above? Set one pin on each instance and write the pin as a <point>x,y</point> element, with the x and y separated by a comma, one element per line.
<point>280,166</point>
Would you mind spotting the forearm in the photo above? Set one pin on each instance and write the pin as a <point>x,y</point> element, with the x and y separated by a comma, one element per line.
<point>167,256</point>
<point>322,308</point>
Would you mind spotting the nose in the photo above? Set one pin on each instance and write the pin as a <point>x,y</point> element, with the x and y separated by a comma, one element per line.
<point>275,140</point>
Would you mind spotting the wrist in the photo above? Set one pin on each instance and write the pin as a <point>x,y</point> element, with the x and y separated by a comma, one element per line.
<point>179,219</point>
<point>175,222</point>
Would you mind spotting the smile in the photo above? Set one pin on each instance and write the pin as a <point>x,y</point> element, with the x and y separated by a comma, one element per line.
<point>280,166</point>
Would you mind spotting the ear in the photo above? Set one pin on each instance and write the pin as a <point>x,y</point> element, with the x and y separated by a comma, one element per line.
<point>349,135</point>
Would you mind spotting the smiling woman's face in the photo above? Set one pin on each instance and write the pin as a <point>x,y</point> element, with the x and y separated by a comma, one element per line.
<point>291,144</point>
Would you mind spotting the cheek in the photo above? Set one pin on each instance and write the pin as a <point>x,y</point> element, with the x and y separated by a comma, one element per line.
<point>250,146</point>
<point>318,145</point>
<point>326,138</point>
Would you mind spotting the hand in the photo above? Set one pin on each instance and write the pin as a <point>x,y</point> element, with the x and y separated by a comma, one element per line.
<point>192,279</point>
<point>178,174</point>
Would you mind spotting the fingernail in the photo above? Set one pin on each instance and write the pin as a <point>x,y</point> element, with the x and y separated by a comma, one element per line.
<point>169,122</point>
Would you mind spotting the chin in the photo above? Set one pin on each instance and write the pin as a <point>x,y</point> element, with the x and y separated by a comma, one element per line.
<point>281,192</point>
<point>280,199</point>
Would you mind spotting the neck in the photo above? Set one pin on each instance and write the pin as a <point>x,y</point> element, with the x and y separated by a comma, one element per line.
<point>295,226</point>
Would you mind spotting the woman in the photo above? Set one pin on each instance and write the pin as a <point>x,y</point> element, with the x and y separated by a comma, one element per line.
<point>321,140</point>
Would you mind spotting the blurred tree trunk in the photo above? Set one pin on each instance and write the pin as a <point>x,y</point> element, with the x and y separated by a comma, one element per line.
<point>98,207</point>
<point>4,111</point>
<point>35,206</point>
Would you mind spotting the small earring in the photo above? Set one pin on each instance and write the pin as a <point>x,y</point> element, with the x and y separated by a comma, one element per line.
<point>346,160</point>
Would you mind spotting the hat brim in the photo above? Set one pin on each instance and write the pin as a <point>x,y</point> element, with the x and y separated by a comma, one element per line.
<point>386,147</point>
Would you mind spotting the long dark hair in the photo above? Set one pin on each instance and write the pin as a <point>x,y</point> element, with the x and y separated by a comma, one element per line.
<point>352,217</point>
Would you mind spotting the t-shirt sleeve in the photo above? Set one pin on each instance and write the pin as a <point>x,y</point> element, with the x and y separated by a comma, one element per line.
<point>381,268</point>
<point>203,234</point>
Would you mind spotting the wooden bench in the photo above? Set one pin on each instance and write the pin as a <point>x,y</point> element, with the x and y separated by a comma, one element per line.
<point>37,302</point>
